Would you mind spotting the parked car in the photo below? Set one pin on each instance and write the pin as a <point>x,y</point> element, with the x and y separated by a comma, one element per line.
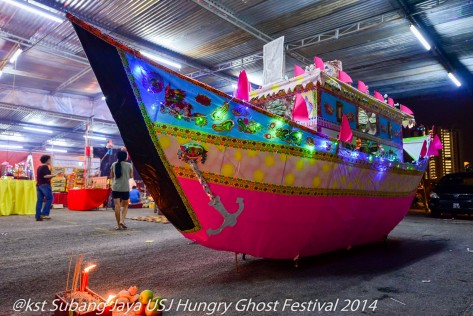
<point>453,194</point>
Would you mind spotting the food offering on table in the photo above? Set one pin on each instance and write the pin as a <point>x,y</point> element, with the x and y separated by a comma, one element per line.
<point>58,183</point>
<point>71,180</point>
<point>21,171</point>
<point>79,179</point>
<point>7,170</point>
<point>97,183</point>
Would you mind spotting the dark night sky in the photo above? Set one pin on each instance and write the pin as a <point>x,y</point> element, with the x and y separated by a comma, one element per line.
<point>453,110</point>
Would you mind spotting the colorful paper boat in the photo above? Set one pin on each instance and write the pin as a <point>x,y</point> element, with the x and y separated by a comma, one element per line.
<point>236,176</point>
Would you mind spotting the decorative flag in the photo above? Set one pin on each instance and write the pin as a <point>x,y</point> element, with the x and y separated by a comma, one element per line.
<point>390,101</point>
<point>423,151</point>
<point>344,77</point>
<point>362,87</point>
<point>413,146</point>
<point>432,150</point>
<point>300,112</point>
<point>298,71</point>
<point>319,63</point>
<point>378,96</point>
<point>243,87</point>
<point>405,109</point>
<point>437,143</point>
<point>346,135</point>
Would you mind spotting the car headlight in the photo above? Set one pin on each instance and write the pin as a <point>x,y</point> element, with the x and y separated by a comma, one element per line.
<point>434,195</point>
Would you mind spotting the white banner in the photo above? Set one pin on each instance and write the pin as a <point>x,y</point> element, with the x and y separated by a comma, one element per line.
<point>273,61</point>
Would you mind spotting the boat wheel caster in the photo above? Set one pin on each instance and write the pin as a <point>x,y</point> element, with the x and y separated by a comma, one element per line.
<point>296,262</point>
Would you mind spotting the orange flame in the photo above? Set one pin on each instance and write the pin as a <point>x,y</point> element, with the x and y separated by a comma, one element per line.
<point>110,297</point>
<point>89,268</point>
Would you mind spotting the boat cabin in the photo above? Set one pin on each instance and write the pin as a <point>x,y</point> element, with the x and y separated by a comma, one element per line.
<point>317,100</point>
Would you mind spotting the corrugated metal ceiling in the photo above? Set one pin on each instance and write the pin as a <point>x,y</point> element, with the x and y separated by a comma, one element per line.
<point>189,29</point>
<point>67,132</point>
<point>386,55</point>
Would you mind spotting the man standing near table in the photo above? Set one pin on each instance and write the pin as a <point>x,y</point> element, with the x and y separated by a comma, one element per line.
<point>43,188</point>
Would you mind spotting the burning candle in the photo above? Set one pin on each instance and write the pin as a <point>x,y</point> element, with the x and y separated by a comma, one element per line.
<point>84,280</point>
<point>109,299</point>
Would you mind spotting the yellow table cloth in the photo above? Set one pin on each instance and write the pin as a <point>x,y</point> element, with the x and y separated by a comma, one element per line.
<point>17,197</point>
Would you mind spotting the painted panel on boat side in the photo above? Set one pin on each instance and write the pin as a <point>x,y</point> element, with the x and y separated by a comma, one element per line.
<point>196,108</point>
<point>390,130</point>
<point>333,108</point>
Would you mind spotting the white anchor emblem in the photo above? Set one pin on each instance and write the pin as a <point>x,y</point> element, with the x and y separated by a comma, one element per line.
<point>228,218</point>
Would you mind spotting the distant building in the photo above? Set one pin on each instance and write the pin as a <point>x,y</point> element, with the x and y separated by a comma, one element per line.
<point>449,159</point>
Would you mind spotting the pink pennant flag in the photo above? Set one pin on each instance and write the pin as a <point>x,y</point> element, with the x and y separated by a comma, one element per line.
<point>432,150</point>
<point>346,135</point>
<point>243,87</point>
<point>300,112</point>
<point>344,77</point>
<point>405,109</point>
<point>362,87</point>
<point>319,63</point>
<point>378,96</point>
<point>437,143</point>
<point>298,71</point>
<point>390,101</point>
<point>423,151</point>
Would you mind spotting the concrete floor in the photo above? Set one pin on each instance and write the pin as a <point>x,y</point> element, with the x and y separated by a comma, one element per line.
<point>424,269</point>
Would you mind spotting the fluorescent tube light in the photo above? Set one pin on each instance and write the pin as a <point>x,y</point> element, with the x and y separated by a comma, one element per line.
<point>1,72</point>
<point>56,150</point>
<point>95,137</point>
<point>15,55</point>
<point>420,37</point>
<point>58,143</point>
<point>38,129</point>
<point>17,138</point>
<point>454,79</point>
<point>30,8</point>
<point>11,146</point>
<point>161,60</point>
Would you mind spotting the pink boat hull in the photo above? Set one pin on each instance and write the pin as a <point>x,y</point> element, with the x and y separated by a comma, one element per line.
<point>293,226</point>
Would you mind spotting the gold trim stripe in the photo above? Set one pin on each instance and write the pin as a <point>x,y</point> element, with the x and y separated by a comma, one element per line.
<point>281,189</point>
<point>227,141</point>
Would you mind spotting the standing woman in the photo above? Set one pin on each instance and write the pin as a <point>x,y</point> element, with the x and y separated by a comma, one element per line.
<point>121,172</point>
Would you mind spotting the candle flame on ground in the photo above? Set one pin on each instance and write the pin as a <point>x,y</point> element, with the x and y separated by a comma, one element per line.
<point>110,297</point>
<point>89,268</point>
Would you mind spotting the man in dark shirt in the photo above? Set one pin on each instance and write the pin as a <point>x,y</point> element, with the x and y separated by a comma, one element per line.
<point>43,188</point>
